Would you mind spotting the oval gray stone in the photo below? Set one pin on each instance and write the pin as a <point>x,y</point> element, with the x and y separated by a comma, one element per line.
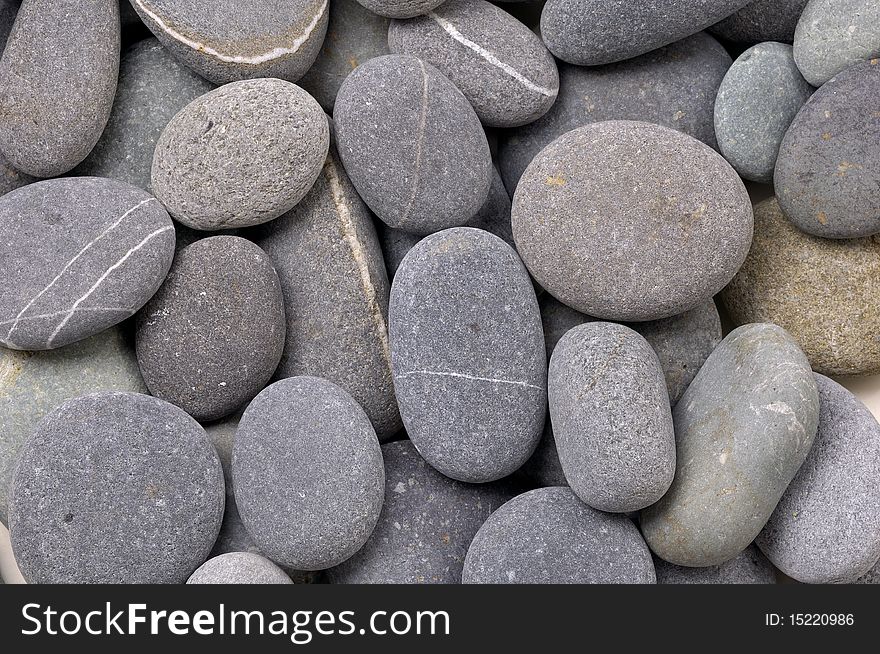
<point>57,82</point>
<point>308,473</point>
<point>548,536</point>
<point>91,252</point>
<point>825,528</point>
<point>749,567</point>
<point>152,518</point>
<point>412,144</point>
<point>611,418</point>
<point>631,221</point>
<point>240,155</point>
<point>400,8</point>
<point>743,428</point>
<point>467,352</point>
<point>761,20</point>
<point>239,568</point>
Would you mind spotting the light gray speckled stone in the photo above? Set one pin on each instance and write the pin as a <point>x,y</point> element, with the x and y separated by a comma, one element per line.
<point>90,253</point>
<point>239,568</point>
<point>308,473</point>
<point>759,97</point>
<point>467,352</point>
<point>631,221</point>
<point>743,428</point>
<point>400,8</point>
<point>825,528</point>
<point>412,144</point>
<point>229,40</point>
<point>548,536</point>
<point>749,567</point>
<point>57,82</point>
<point>761,20</point>
<point>152,517</point>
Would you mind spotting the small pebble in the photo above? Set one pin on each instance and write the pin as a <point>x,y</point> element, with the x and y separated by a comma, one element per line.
<point>400,8</point>
<point>239,568</point>
<point>749,567</point>
<point>761,20</point>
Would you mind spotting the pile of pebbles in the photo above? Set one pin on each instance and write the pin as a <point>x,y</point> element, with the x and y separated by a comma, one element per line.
<point>426,291</point>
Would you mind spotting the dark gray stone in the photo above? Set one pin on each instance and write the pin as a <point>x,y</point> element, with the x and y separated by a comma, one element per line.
<point>743,428</point>
<point>548,536</point>
<point>761,20</point>
<point>239,568</point>
<point>229,40</point>
<point>631,221</point>
<point>467,352</point>
<point>57,82</point>
<point>400,8</point>
<point>151,516</point>
<point>828,171</point>
<point>502,68</point>
<point>90,252</point>
<point>412,144</point>
<point>825,528</point>
<point>10,178</point>
<point>749,567</point>
<point>8,9</point>
<point>872,577</point>
<point>240,155</point>
<point>308,473</point>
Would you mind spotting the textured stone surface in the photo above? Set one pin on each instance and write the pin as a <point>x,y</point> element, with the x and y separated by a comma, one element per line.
<point>761,20</point>
<point>631,221</point>
<point>329,260</point>
<point>872,577</point>
<point>8,9</point>
<point>749,567</point>
<point>212,336</point>
<point>828,171</point>
<point>152,518</point>
<point>500,65</point>
<point>229,40</point>
<point>239,568</point>
<point>743,428</point>
<point>412,144</point>
<point>825,528</point>
<point>57,82</point>
<point>308,473</point>
<point>468,354</point>
<point>611,417</point>
<point>825,293</point>
<point>674,86</point>
<point>89,251</point>
<point>400,8</point>
<point>548,536</point>
<point>249,151</point>
<point>10,178</point>
<point>759,97</point>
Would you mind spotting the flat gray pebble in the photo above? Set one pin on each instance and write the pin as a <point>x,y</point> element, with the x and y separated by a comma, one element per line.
<point>400,8</point>
<point>761,20</point>
<point>749,567</point>
<point>239,568</point>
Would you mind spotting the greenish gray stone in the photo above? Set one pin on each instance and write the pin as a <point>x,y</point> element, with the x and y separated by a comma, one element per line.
<point>239,568</point>
<point>761,20</point>
<point>749,567</point>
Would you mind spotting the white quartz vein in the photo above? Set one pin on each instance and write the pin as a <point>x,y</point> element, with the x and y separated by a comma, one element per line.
<point>55,314</point>
<point>465,376</point>
<point>417,169</point>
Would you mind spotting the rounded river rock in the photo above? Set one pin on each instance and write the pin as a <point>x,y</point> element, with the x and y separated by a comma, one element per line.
<point>760,21</point>
<point>239,568</point>
<point>400,8</point>
<point>749,567</point>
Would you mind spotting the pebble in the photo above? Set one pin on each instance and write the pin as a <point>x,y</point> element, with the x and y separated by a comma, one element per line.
<point>467,353</point>
<point>229,40</point>
<point>631,221</point>
<point>34,383</point>
<point>239,568</point>
<point>611,417</point>
<point>743,428</point>
<point>328,257</point>
<point>679,81</point>
<point>400,8</point>
<point>412,145</point>
<point>825,293</point>
<point>825,529</point>
<point>759,97</point>
<point>91,251</point>
<point>749,567</point>
<point>548,536</point>
<point>308,473</point>
<point>250,150</point>
<point>212,336</point>
<point>760,21</point>
<point>500,65</point>
<point>57,82</point>
<point>152,519</point>
<point>833,35</point>
<point>828,172</point>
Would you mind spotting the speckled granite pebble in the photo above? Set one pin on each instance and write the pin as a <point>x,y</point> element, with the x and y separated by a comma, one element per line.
<point>152,518</point>
<point>761,20</point>
<point>239,568</point>
<point>749,567</point>
<point>400,8</point>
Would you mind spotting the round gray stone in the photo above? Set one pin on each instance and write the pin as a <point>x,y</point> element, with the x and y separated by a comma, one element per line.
<point>57,82</point>
<point>412,144</point>
<point>828,171</point>
<point>749,567</point>
<point>548,536</point>
<point>759,97</point>
<point>308,473</point>
<point>212,336</point>
<point>229,40</point>
<point>240,155</point>
<point>90,252</point>
<point>761,20</point>
<point>631,221</point>
<point>611,418</point>
<point>154,514</point>
<point>500,65</point>
<point>743,428</point>
<point>825,528</point>
<point>467,352</point>
<point>400,8</point>
<point>239,568</point>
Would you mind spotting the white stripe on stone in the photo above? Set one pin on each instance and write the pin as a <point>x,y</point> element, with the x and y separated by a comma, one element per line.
<point>461,375</point>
